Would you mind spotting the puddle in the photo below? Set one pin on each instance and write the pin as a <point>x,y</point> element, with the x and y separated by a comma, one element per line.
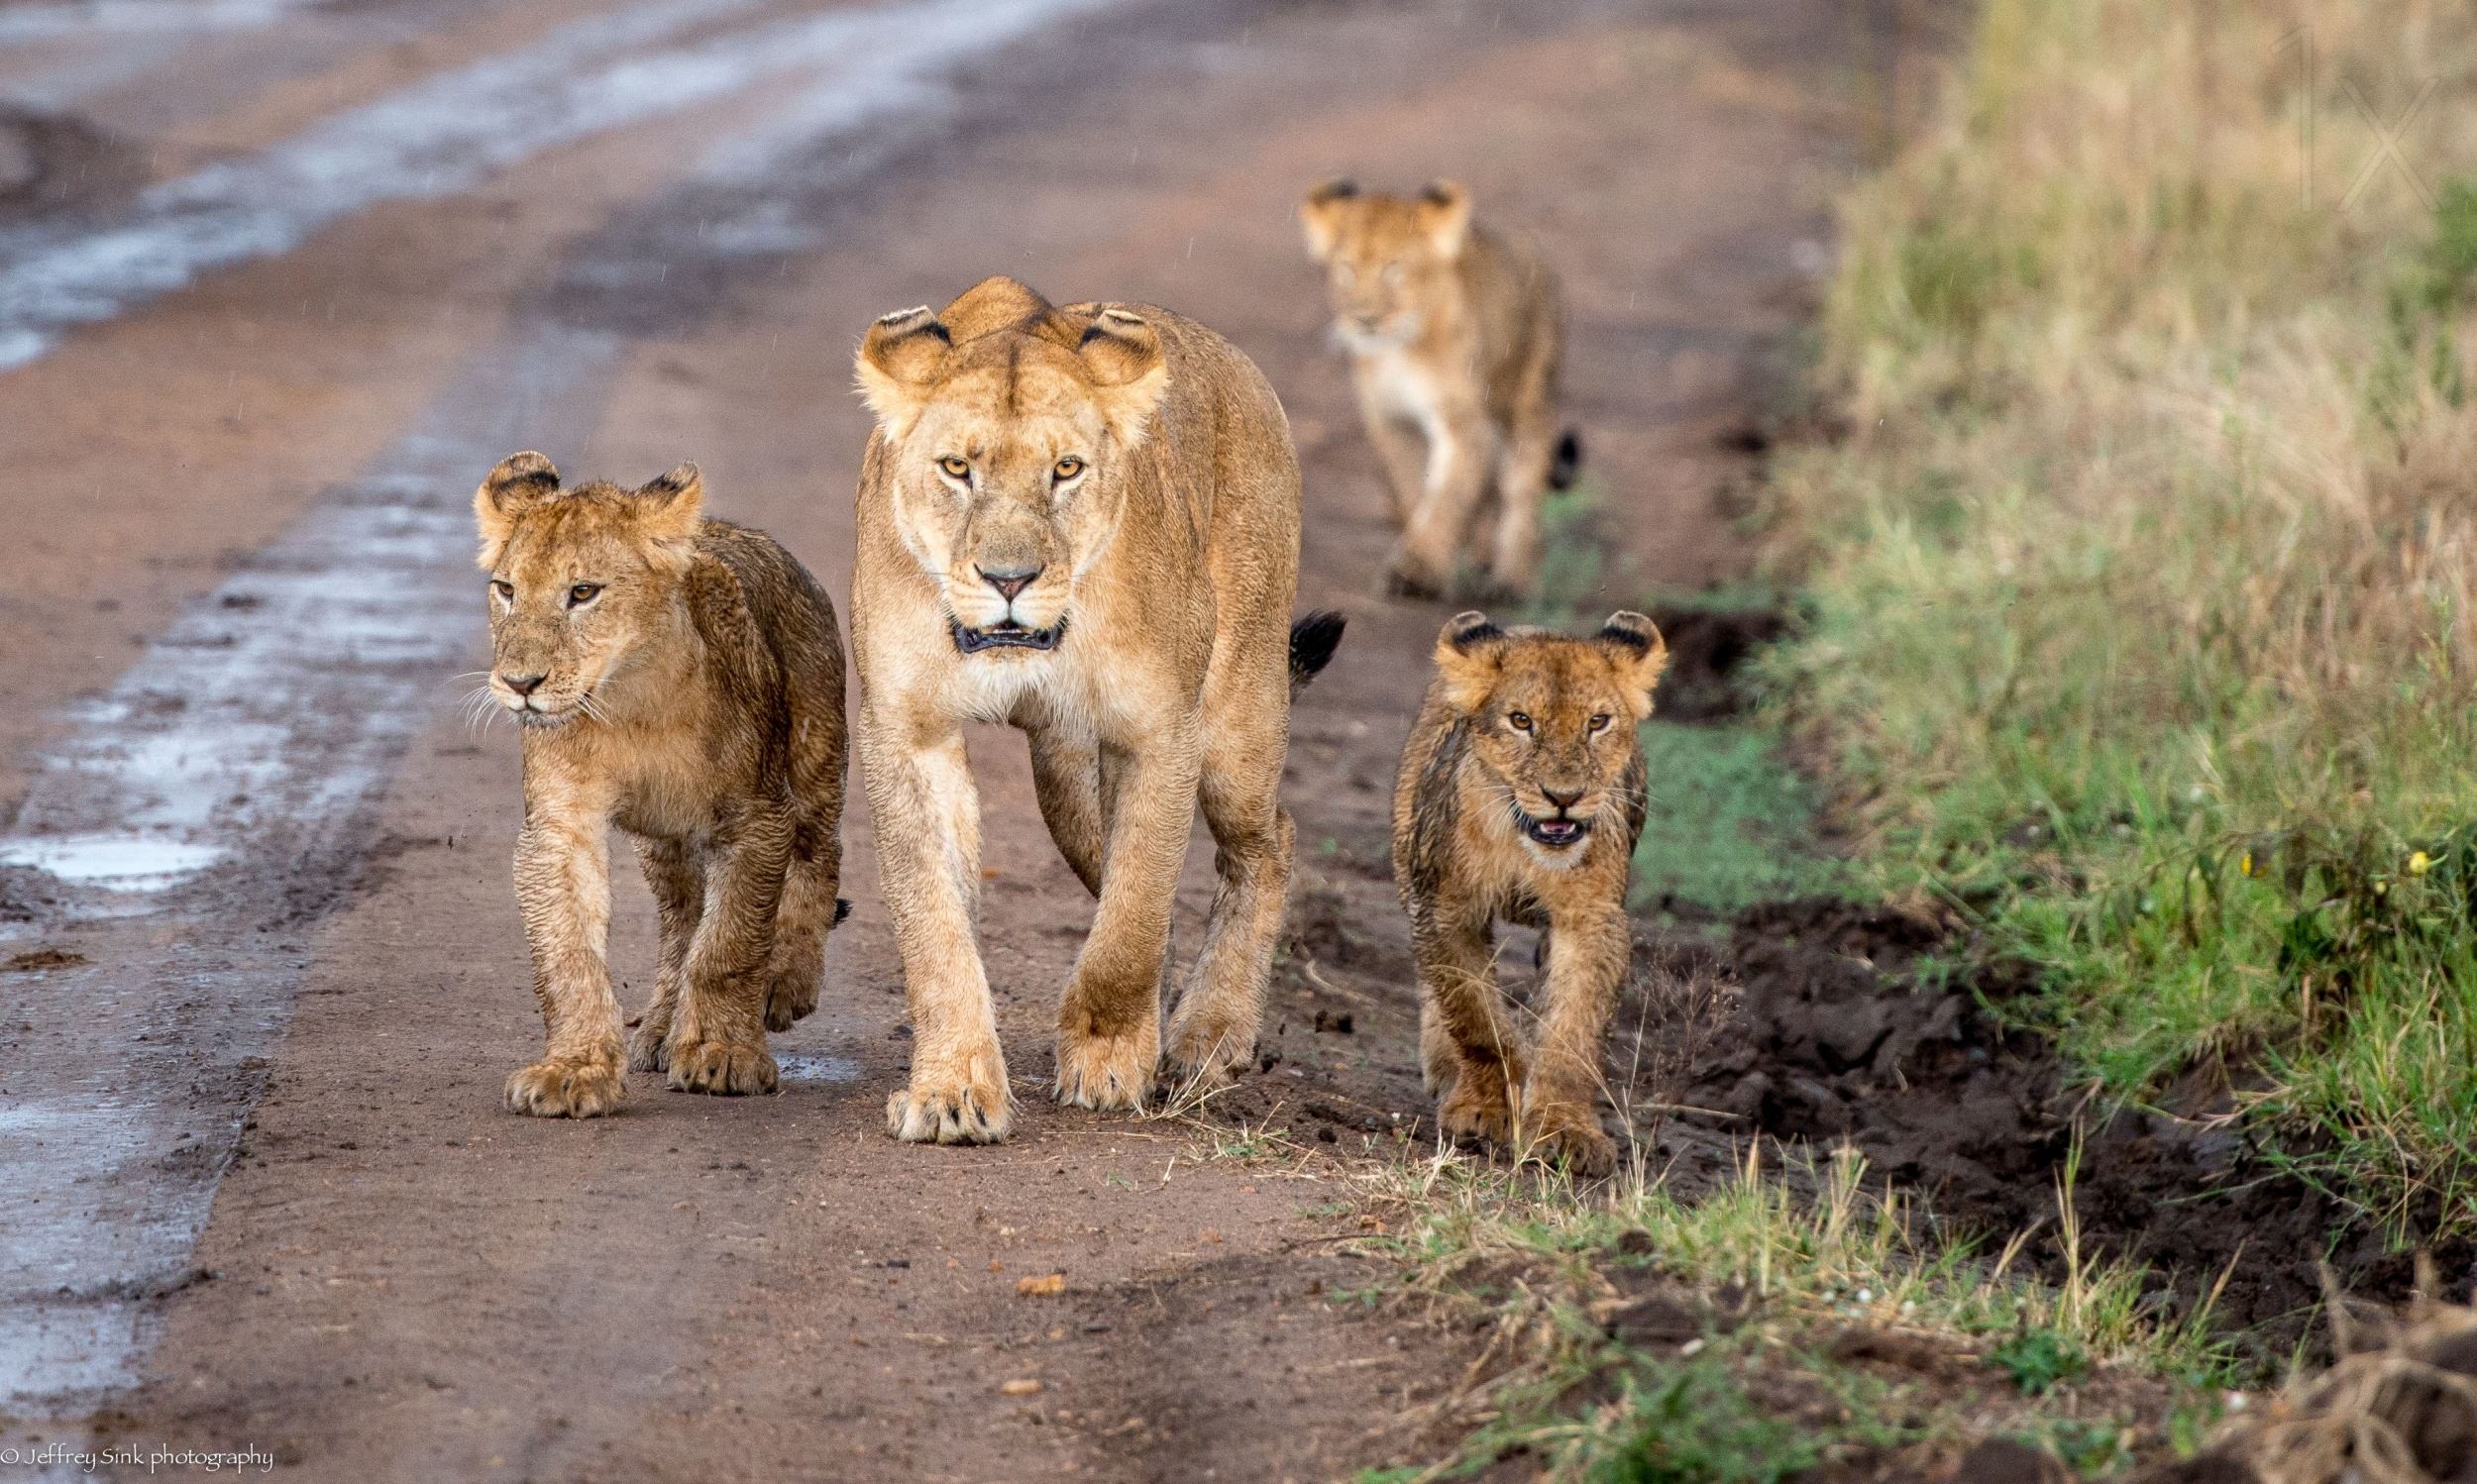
<point>818,1066</point>
<point>116,863</point>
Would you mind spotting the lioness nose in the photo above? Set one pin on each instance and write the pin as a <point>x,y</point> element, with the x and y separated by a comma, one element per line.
<point>1562,801</point>
<point>523,685</point>
<point>1009,581</point>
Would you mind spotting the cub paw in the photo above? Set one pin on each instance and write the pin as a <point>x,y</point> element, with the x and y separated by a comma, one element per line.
<point>952,1109</point>
<point>790,998</point>
<point>567,1089</point>
<point>1572,1137</point>
<point>1477,1108</point>
<point>1409,577</point>
<point>1107,1071</point>
<point>723,1068</point>
<point>1202,1058</point>
<point>649,1046</point>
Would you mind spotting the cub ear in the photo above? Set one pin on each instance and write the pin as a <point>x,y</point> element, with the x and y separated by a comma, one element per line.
<point>1634,645</point>
<point>517,484</point>
<point>1445,215</point>
<point>671,507</point>
<point>898,362</point>
<point>1121,355</point>
<point>1320,215</point>
<point>1470,652</point>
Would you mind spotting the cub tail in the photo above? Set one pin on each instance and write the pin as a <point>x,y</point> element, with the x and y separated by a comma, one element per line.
<point>1313,639</point>
<point>1568,463</point>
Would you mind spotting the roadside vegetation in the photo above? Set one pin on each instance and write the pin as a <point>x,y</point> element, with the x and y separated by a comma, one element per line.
<point>2142,571</point>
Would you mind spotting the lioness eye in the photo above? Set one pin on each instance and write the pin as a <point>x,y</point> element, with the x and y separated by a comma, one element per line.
<point>582,593</point>
<point>1518,720</point>
<point>1599,723</point>
<point>954,468</point>
<point>506,590</point>
<point>1069,467</point>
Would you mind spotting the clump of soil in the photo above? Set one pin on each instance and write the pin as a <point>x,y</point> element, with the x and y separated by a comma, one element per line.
<point>1703,649</point>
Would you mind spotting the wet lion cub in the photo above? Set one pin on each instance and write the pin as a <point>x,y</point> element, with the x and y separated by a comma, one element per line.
<point>1454,334</point>
<point>1520,800</point>
<point>682,678</point>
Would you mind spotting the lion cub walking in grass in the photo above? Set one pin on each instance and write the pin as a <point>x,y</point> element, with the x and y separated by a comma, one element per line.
<point>682,677</point>
<point>1520,799</point>
<point>1454,335</point>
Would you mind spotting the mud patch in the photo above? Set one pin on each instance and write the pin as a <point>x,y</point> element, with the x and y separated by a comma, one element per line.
<point>37,960</point>
<point>1705,649</point>
<point>56,162</point>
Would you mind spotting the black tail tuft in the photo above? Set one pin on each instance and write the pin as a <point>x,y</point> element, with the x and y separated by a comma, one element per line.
<point>1313,639</point>
<point>842,910</point>
<point>1568,461</point>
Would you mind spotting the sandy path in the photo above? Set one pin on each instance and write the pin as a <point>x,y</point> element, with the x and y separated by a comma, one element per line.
<point>399,1281</point>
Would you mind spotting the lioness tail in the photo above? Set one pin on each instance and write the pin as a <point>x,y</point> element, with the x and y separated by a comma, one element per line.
<point>1313,639</point>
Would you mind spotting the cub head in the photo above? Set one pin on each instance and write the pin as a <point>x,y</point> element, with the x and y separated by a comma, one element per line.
<point>1007,429</point>
<point>1551,720</point>
<point>1385,257</point>
<point>581,580</point>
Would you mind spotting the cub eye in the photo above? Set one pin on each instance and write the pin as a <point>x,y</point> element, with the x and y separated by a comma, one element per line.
<point>582,593</point>
<point>954,468</point>
<point>1068,468</point>
<point>506,590</point>
<point>1518,720</point>
<point>1599,723</point>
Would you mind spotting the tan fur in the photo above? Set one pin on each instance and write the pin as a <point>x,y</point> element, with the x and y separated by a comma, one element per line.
<point>1520,727</point>
<point>694,698</point>
<point>1454,335</point>
<point>1131,472</point>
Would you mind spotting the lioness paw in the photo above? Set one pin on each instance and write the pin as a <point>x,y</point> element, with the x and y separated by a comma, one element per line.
<point>942,1110</point>
<point>649,1046</point>
<point>567,1089</point>
<point>1203,1057</point>
<point>1107,1071</point>
<point>790,998</point>
<point>725,1068</point>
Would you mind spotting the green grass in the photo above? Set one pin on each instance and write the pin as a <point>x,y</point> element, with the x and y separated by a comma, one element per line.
<point>1730,824</point>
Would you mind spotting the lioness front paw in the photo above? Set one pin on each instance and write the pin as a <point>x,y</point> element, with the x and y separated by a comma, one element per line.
<point>649,1046</point>
<point>1203,1057</point>
<point>724,1068</point>
<point>790,998</point>
<point>585,1088</point>
<point>1107,1071</point>
<point>951,1110</point>
<point>1569,1135</point>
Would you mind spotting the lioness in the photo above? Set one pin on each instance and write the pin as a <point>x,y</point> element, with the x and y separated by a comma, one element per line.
<point>1084,522</point>
<point>1521,798</point>
<point>1454,335</point>
<point>682,677</point>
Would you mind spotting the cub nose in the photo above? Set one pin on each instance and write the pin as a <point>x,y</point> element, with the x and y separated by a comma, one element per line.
<point>1009,581</point>
<point>1562,801</point>
<point>523,685</point>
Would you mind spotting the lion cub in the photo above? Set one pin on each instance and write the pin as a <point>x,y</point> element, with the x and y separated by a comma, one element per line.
<point>1520,799</point>
<point>682,677</point>
<point>1454,335</point>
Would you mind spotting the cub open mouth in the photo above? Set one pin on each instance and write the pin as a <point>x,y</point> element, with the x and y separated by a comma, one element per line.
<point>1009,635</point>
<point>1557,833</point>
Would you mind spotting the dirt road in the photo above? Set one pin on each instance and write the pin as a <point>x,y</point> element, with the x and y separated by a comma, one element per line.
<point>277,282</point>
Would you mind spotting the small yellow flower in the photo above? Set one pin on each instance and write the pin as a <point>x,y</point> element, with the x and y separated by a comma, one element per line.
<point>2419,863</point>
<point>2244,863</point>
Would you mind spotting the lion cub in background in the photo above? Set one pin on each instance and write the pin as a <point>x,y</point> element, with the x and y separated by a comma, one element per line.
<point>682,677</point>
<point>1520,799</point>
<point>1454,335</point>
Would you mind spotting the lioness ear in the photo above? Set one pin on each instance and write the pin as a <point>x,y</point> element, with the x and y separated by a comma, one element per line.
<point>1471,650</point>
<point>1320,215</point>
<point>671,507</point>
<point>898,362</point>
<point>1640,653</point>
<point>517,484</point>
<point>1445,215</point>
<point>1122,355</point>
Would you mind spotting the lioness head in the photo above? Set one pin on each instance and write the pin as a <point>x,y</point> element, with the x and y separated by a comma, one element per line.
<point>1006,428</point>
<point>1553,720</point>
<point>581,580</point>
<point>1386,258</point>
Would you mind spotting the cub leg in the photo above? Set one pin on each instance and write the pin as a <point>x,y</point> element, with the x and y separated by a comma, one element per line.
<point>1588,957</point>
<point>926,815</point>
<point>1110,1018</point>
<point>1522,480</point>
<point>717,1033</point>
<point>563,888</point>
<point>1398,449</point>
<point>676,877</point>
<point>1458,979</point>
<point>1437,1061</point>
<point>1213,1029</point>
<point>1462,457</point>
<point>811,906</point>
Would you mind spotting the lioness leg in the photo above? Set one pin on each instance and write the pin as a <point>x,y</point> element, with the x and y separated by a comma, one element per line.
<point>718,1035</point>
<point>1457,977</point>
<point>1588,956</point>
<point>1462,459</point>
<point>810,884</point>
<point>1522,477</point>
<point>1213,1029</point>
<point>1066,778</point>
<point>677,877</point>
<point>927,814</point>
<point>1110,1018</point>
<point>563,888</point>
